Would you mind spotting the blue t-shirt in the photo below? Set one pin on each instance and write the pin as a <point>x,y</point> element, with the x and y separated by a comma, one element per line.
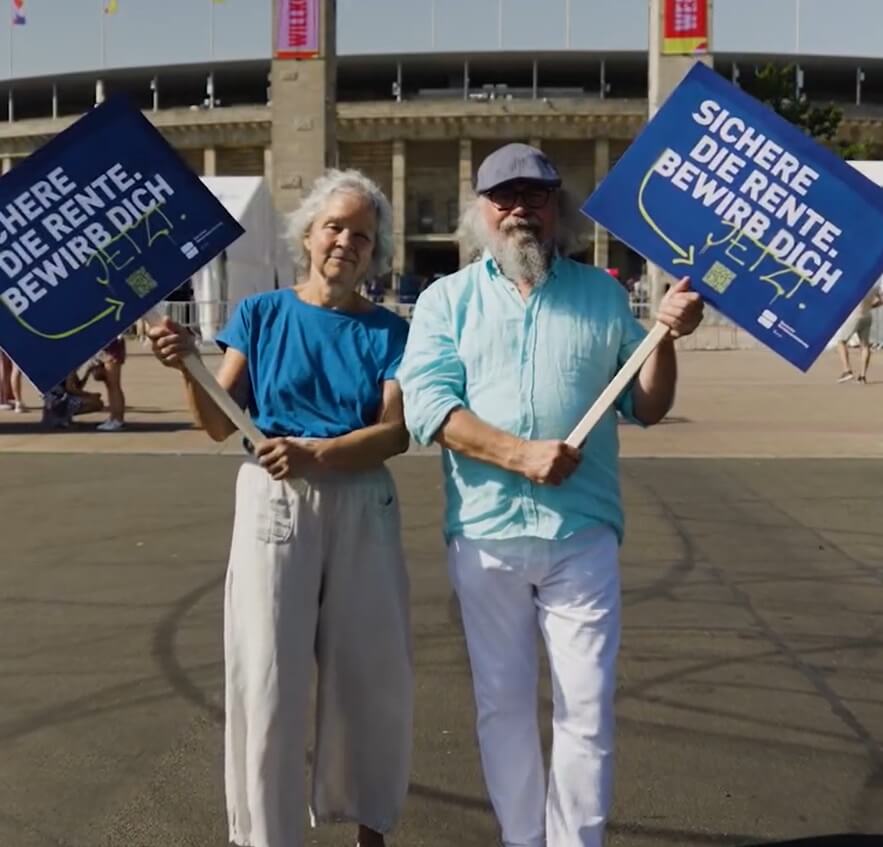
<point>315,373</point>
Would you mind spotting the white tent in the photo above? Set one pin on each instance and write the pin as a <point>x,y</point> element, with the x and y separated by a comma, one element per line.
<point>257,261</point>
<point>874,172</point>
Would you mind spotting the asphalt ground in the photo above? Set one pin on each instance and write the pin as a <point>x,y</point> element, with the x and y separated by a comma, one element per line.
<point>750,701</point>
<point>730,403</point>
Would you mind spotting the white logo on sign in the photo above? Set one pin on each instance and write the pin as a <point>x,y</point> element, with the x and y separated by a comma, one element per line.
<point>767,319</point>
<point>189,250</point>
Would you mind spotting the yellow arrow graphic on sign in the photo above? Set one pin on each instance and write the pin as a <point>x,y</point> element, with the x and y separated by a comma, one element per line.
<point>686,255</point>
<point>115,306</point>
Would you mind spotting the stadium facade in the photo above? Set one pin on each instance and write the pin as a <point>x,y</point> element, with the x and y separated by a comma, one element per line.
<point>425,87</point>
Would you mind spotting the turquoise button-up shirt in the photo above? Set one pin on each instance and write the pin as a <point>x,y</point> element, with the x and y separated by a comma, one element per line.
<point>532,368</point>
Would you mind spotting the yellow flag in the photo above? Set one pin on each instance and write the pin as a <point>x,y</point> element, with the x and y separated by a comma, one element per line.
<point>111,7</point>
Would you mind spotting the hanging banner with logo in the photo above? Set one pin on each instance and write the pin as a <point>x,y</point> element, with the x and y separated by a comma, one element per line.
<point>685,27</point>
<point>96,227</point>
<point>298,29</point>
<point>774,230</point>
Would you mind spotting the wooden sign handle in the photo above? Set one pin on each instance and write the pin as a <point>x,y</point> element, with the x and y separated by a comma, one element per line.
<point>206,380</point>
<point>202,375</point>
<point>618,384</point>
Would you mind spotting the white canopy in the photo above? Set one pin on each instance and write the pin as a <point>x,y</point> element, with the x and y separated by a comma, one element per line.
<point>872,170</point>
<point>257,261</point>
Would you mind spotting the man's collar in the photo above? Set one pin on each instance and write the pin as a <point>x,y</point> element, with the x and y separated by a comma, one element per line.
<point>493,269</point>
<point>490,265</point>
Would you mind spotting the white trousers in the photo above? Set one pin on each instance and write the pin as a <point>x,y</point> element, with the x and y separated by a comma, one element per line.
<point>316,575</point>
<point>570,590</point>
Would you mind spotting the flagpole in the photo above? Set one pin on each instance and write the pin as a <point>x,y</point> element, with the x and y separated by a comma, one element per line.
<point>9,111</point>
<point>210,81</point>
<point>101,31</point>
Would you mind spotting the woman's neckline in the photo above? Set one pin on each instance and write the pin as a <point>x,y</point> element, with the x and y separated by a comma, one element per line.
<point>372,307</point>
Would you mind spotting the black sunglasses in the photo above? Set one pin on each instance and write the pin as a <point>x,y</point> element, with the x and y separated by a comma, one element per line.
<point>508,197</point>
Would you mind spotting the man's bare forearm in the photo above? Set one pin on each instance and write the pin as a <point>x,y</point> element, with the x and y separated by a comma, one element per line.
<point>465,433</point>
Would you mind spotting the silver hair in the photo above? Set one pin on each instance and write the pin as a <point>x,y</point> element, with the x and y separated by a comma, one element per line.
<point>335,181</point>
<point>571,235</point>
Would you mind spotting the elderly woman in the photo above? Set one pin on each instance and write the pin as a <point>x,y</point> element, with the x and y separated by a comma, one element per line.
<point>316,569</point>
<point>10,385</point>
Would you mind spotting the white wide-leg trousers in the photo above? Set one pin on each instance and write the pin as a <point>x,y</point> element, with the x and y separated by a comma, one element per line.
<point>570,590</point>
<point>316,576</point>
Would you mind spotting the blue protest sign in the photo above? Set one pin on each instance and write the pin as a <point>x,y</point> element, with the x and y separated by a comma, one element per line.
<point>96,227</point>
<point>775,231</point>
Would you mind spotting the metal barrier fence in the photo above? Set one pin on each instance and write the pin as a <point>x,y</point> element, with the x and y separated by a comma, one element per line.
<point>200,317</point>
<point>716,332</point>
<point>197,316</point>
<point>719,333</point>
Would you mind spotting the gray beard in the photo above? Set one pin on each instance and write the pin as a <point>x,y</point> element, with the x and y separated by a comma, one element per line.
<point>521,256</point>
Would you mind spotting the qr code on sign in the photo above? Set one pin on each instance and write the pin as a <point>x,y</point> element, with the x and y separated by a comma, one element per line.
<point>719,277</point>
<point>141,282</point>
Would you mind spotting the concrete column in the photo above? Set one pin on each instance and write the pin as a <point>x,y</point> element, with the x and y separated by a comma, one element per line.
<point>99,92</point>
<point>304,112</point>
<point>399,162</point>
<point>465,182</point>
<point>7,164</point>
<point>602,168</point>
<point>268,165</point>
<point>665,72</point>
<point>209,162</point>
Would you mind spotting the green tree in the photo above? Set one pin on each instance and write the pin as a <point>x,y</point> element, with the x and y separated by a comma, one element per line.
<point>777,87</point>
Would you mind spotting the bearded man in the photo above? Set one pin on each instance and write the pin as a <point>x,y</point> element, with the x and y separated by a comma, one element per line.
<point>503,359</point>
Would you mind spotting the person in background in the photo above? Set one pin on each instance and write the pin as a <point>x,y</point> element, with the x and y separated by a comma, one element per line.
<point>11,397</point>
<point>503,359</point>
<point>112,359</point>
<point>316,570</point>
<point>5,383</point>
<point>63,402</point>
<point>859,324</point>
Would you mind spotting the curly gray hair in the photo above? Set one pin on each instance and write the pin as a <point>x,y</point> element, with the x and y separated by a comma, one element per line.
<point>335,181</point>
<point>571,236</point>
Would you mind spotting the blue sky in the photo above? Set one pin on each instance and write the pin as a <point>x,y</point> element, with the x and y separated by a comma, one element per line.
<point>62,36</point>
<point>66,36</point>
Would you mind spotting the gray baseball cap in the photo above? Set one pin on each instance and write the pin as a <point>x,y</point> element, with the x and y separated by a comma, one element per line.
<point>516,161</point>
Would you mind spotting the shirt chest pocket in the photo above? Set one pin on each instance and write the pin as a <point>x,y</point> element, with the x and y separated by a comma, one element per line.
<point>587,354</point>
<point>494,357</point>
<point>492,350</point>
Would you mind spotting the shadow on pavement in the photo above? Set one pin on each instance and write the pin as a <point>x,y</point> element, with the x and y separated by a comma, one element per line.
<point>853,840</point>
<point>35,427</point>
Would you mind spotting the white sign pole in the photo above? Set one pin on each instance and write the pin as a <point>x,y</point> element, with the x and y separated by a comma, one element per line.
<point>206,380</point>
<point>202,375</point>
<point>608,396</point>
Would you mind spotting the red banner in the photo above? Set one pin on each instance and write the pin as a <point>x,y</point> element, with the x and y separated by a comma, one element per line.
<point>685,27</point>
<point>298,29</point>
